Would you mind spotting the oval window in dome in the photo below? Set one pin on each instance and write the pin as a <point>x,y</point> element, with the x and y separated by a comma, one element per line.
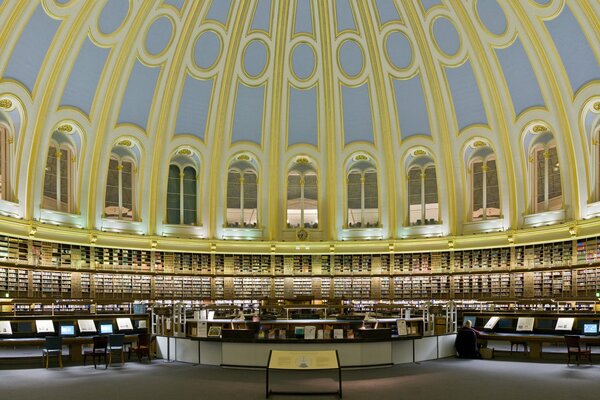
<point>399,50</point>
<point>207,49</point>
<point>446,36</point>
<point>112,16</point>
<point>159,35</point>
<point>492,16</point>
<point>351,58</point>
<point>303,61</point>
<point>255,58</point>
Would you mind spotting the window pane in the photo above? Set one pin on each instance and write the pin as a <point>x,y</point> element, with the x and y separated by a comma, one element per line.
<point>3,161</point>
<point>554,184</point>
<point>311,214</point>
<point>414,196</point>
<point>492,190</point>
<point>173,195</point>
<point>65,189</point>
<point>250,199</point>
<point>371,216</point>
<point>354,199</point>
<point>50,173</point>
<point>233,199</point>
<point>294,203</point>
<point>541,171</point>
<point>111,202</point>
<point>189,196</point>
<point>477,190</point>
<point>127,182</point>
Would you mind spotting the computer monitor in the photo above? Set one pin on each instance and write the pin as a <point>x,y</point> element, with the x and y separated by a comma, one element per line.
<point>67,330</point>
<point>590,329</point>
<point>106,328</point>
<point>471,318</point>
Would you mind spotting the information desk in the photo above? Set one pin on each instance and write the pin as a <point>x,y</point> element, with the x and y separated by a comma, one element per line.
<point>75,344</point>
<point>534,341</point>
<point>324,360</point>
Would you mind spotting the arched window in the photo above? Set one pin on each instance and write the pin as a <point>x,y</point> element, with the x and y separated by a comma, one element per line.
<point>423,206</point>
<point>546,186</point>
<point>363,195</point>
<point>302,195</point>
<point>484,190</point>
<point>482,181</point>
<point>59,178</point>
<point>121,182</point>
<point>242,193</point>
<point>596,149</point>
<point>181,195</point>
<point>4,163</point>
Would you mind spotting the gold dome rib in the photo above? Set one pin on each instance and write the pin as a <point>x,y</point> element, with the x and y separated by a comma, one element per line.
<point>164,126</point>
<point>120,56</point>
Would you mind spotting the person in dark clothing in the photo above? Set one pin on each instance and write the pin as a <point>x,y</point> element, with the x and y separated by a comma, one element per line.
<point>466,342</point>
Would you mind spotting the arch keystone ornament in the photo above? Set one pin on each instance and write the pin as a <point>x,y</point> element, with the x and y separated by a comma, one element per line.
<point>6,103</point>
<point>65,128</point>
<point>302,234</point>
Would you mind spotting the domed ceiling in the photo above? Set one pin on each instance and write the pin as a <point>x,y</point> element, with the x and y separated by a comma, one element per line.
<point>375,88</point>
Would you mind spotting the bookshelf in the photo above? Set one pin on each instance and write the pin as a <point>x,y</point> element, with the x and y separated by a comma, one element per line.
<point>563,270</point>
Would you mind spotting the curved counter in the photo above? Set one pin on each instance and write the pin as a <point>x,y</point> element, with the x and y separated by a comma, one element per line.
<point>353,353</point>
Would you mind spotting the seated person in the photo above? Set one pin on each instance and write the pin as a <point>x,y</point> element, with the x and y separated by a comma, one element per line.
<point>466,342</point>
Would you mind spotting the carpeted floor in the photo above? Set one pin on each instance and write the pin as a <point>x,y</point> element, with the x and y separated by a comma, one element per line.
<point>504,378</point>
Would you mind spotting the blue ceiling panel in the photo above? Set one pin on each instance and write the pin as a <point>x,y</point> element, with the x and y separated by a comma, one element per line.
<point>219,11</point>
<point>574,48</point>
<point>344,16</point>
<point>194,106</point>
<point>351,58</point>
<point>85,75</point>
<point>466,97</point>
<point>139,95</point>
<point>387,11</point>
<point>427,4</point>
<point>255,58</point>
<point>248,118</point>
<point>446,36</point>
<point>178,4</point>
<point>262,16</point>
<point>358,122</point>
<point>519,76</point>
<point>303,17</point>
<point>410,105</point>
<point>33,44</point>
<point>302,123</point>
<point>399,49</point>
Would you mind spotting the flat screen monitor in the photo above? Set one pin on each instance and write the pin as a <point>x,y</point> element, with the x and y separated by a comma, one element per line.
<point>67,330</point>
<point>106,328</point>
<point>590,329</point>
<point>471,318</point>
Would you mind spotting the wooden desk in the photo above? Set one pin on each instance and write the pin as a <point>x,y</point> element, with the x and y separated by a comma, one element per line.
<point>75,344</point>
<point>535,342</point>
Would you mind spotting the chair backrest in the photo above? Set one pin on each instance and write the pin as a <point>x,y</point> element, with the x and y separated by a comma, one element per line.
<point>572,342</point>
<point>116,340</point>
<point>143,340</point>
<point>53,343</point>
<point>100,342</point>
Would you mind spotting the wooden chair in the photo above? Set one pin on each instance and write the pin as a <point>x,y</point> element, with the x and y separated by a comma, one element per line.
<point>115,345</point>
<point>53,347</point>
<point>574,348</point>
<point>142,347</point>
<point>99,349</point>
